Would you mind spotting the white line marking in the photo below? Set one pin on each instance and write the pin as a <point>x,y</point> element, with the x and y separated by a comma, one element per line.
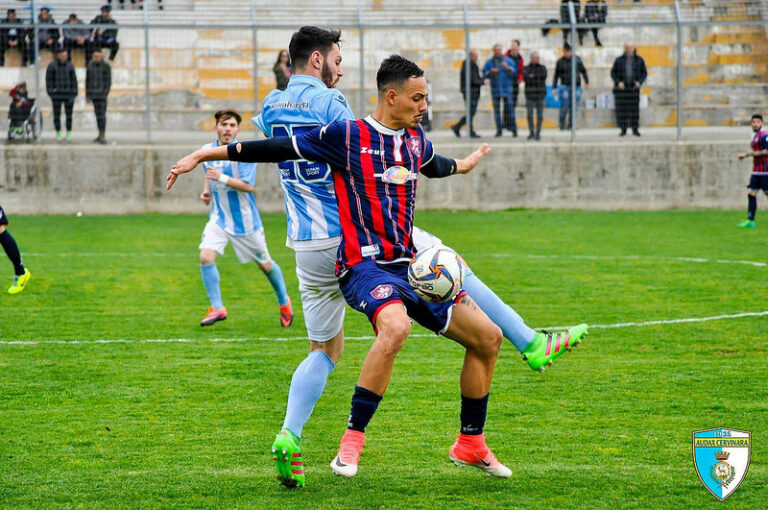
<point>367,337</point>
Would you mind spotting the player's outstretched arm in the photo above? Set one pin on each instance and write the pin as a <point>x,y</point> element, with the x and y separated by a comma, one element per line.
<point>190,161</point>
<point>467,164</point>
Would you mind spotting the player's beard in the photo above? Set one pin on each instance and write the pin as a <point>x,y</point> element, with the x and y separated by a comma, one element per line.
<point>327,75</point>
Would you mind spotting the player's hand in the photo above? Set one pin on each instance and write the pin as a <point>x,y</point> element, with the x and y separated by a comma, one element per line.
<point>742,155</point>
<point>205,196</point>
<point>467,164</point>
<point>182,166</point>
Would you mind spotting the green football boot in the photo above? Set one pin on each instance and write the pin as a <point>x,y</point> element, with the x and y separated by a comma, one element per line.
<point>746,224</point>
<point>545,346</point>
<point>287,456</point>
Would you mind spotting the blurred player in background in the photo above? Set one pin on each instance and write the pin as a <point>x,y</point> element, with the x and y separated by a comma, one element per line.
<point>235,219</point>
<point>12,250</point>
<point>759,179</point>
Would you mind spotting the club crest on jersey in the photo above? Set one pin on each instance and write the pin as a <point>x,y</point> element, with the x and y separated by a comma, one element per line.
<point>415,145</point>
<point>381,292</point>
<point>396,175</point>
<point>721,458</point>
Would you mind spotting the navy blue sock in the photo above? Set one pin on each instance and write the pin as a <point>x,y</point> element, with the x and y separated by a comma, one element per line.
<point>364,404</point>
<point>473,413</point>
<point>751,207</point>
<point>12,250</point>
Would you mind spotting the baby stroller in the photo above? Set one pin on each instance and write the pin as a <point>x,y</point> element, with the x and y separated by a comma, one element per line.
<point>22,120</point>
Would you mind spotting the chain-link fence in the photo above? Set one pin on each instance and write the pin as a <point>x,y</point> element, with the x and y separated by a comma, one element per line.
<point>561,70</point>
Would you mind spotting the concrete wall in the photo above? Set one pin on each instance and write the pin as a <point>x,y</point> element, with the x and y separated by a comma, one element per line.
<point>131,179</point>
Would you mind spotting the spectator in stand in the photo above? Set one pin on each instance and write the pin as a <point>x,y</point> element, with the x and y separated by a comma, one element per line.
<point>103,37</point>
<point>628,74</point>
<point>563,75</point>
<point>514,53</point>
<point>595,12</point>
<point>61,84</point>
<point>535,77</point>
<point>20,107</point>
<point>49,36</point>
<point>98,81</point>
<point>75,34</point>
<point>282,70</point>
<point>502,72</point>
<point>565,17</point>
<point>475,82</point>
<point>13,38</point>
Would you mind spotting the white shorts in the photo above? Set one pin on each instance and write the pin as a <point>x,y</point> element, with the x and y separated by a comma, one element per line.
<point>247,248</point>
<point>321,298</point>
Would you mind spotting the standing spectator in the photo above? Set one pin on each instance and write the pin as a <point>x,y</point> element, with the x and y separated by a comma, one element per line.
<point>475,82</point>
<point>75,34</point>
<point>563,75</point>
<point>103,37</point>
<point>11,38</point>
<point>595,12</point>
<point>514,53</point>
<point>49,36</point>
<point>501,71</point>
<point>282,70</point>
<point>565,18</point>
<point>98,81</point>
<point>628,74</point>
<point>535,76</point>
<point>61,84</point>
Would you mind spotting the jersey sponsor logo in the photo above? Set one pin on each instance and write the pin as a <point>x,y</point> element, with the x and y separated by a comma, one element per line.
<point>382,292</point>
<point>396,175</point>
<point>415,145</point>
<point>366,150</point>
<point>370,250</point>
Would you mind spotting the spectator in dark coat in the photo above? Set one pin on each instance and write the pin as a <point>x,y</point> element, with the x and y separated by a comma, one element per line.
<point>563,75</point>
<point>475,81</point>
<point>282,70</point>
<point>595,12</point>
<point>535,77</point>
<point>49,37</point>
<point>76,34</point>
<point>61,84</point>
<point>514,53</point>
<point>13,38</point>
<point>103,37</point>
<point>565,17</point>
<point>628,74</point>
<point>98,81</point>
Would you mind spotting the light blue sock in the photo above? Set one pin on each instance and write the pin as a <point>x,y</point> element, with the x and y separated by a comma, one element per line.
<point>275,277</point>
<point>307,386</point>
<point>512,325</point>
<point>211,282</point>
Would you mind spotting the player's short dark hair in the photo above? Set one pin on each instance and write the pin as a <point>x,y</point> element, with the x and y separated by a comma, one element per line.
<point>309,39</point>
<point>757,116</point>
<point>227,114</point>
<point>396,70</point>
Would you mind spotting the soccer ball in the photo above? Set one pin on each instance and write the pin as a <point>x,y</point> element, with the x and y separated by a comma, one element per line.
<point>436,274</point>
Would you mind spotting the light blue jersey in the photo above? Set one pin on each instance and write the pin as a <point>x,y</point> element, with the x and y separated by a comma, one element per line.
<point>310,200</point>
<point>234,211</point>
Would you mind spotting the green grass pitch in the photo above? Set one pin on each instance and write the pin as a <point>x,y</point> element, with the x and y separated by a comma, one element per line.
<point>189,423</point>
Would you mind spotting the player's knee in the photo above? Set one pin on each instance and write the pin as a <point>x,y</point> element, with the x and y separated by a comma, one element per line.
<point>393,332</point>
<point>489,339</point>
<point>207,258</point>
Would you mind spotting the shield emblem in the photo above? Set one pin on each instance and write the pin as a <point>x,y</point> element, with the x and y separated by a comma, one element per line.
<point>721,458</point>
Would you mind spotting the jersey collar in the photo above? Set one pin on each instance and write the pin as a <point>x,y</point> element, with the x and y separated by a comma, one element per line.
<point>381,128</point>
<point>307,79</point>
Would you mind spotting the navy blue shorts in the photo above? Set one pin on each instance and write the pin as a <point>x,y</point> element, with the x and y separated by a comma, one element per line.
<point>3,217</point>
<point>758,182</point>
<point>369,287</point>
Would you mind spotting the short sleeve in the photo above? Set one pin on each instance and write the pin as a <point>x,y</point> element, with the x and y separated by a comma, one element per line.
<point>338,108</point>
<point>326,144</point>
<point>248,172</point>
<point>259,121</point>
<point>764,141</point>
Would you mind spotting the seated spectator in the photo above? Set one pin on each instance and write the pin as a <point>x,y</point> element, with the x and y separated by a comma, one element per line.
<point>75,34</point>
<point>103,37</point>
<point>49,36</point>
<point>20,106</point>
<point>13,38</point>
<point>596,12</point>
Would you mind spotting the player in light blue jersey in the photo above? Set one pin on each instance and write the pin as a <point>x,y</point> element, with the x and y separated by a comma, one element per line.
<point>234,219</point>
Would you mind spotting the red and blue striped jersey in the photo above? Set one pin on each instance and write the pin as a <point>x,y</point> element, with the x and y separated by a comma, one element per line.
<point>375,171</point>
<point>759,143</point>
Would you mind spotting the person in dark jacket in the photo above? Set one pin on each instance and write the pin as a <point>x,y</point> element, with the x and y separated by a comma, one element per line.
<point>628,74</point>
<point>76,34</point>
<point>475,81</point>
<point>595,12</point>
<point>103,37</point>
<point>563,75</point>
<point>514,53</point>
<point>49,37</point>
<point>98,81</point>
<point>535,78</point>
<point>565,17</point>
<point>13,38</point>
<point>282,70</point>
<point>61,84</point>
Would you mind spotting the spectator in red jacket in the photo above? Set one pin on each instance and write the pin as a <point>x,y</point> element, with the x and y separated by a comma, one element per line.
<point>514,53</point>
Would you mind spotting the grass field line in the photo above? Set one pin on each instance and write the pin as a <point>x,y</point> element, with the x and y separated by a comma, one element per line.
<point>365,337</point>
<point>698,260</point>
